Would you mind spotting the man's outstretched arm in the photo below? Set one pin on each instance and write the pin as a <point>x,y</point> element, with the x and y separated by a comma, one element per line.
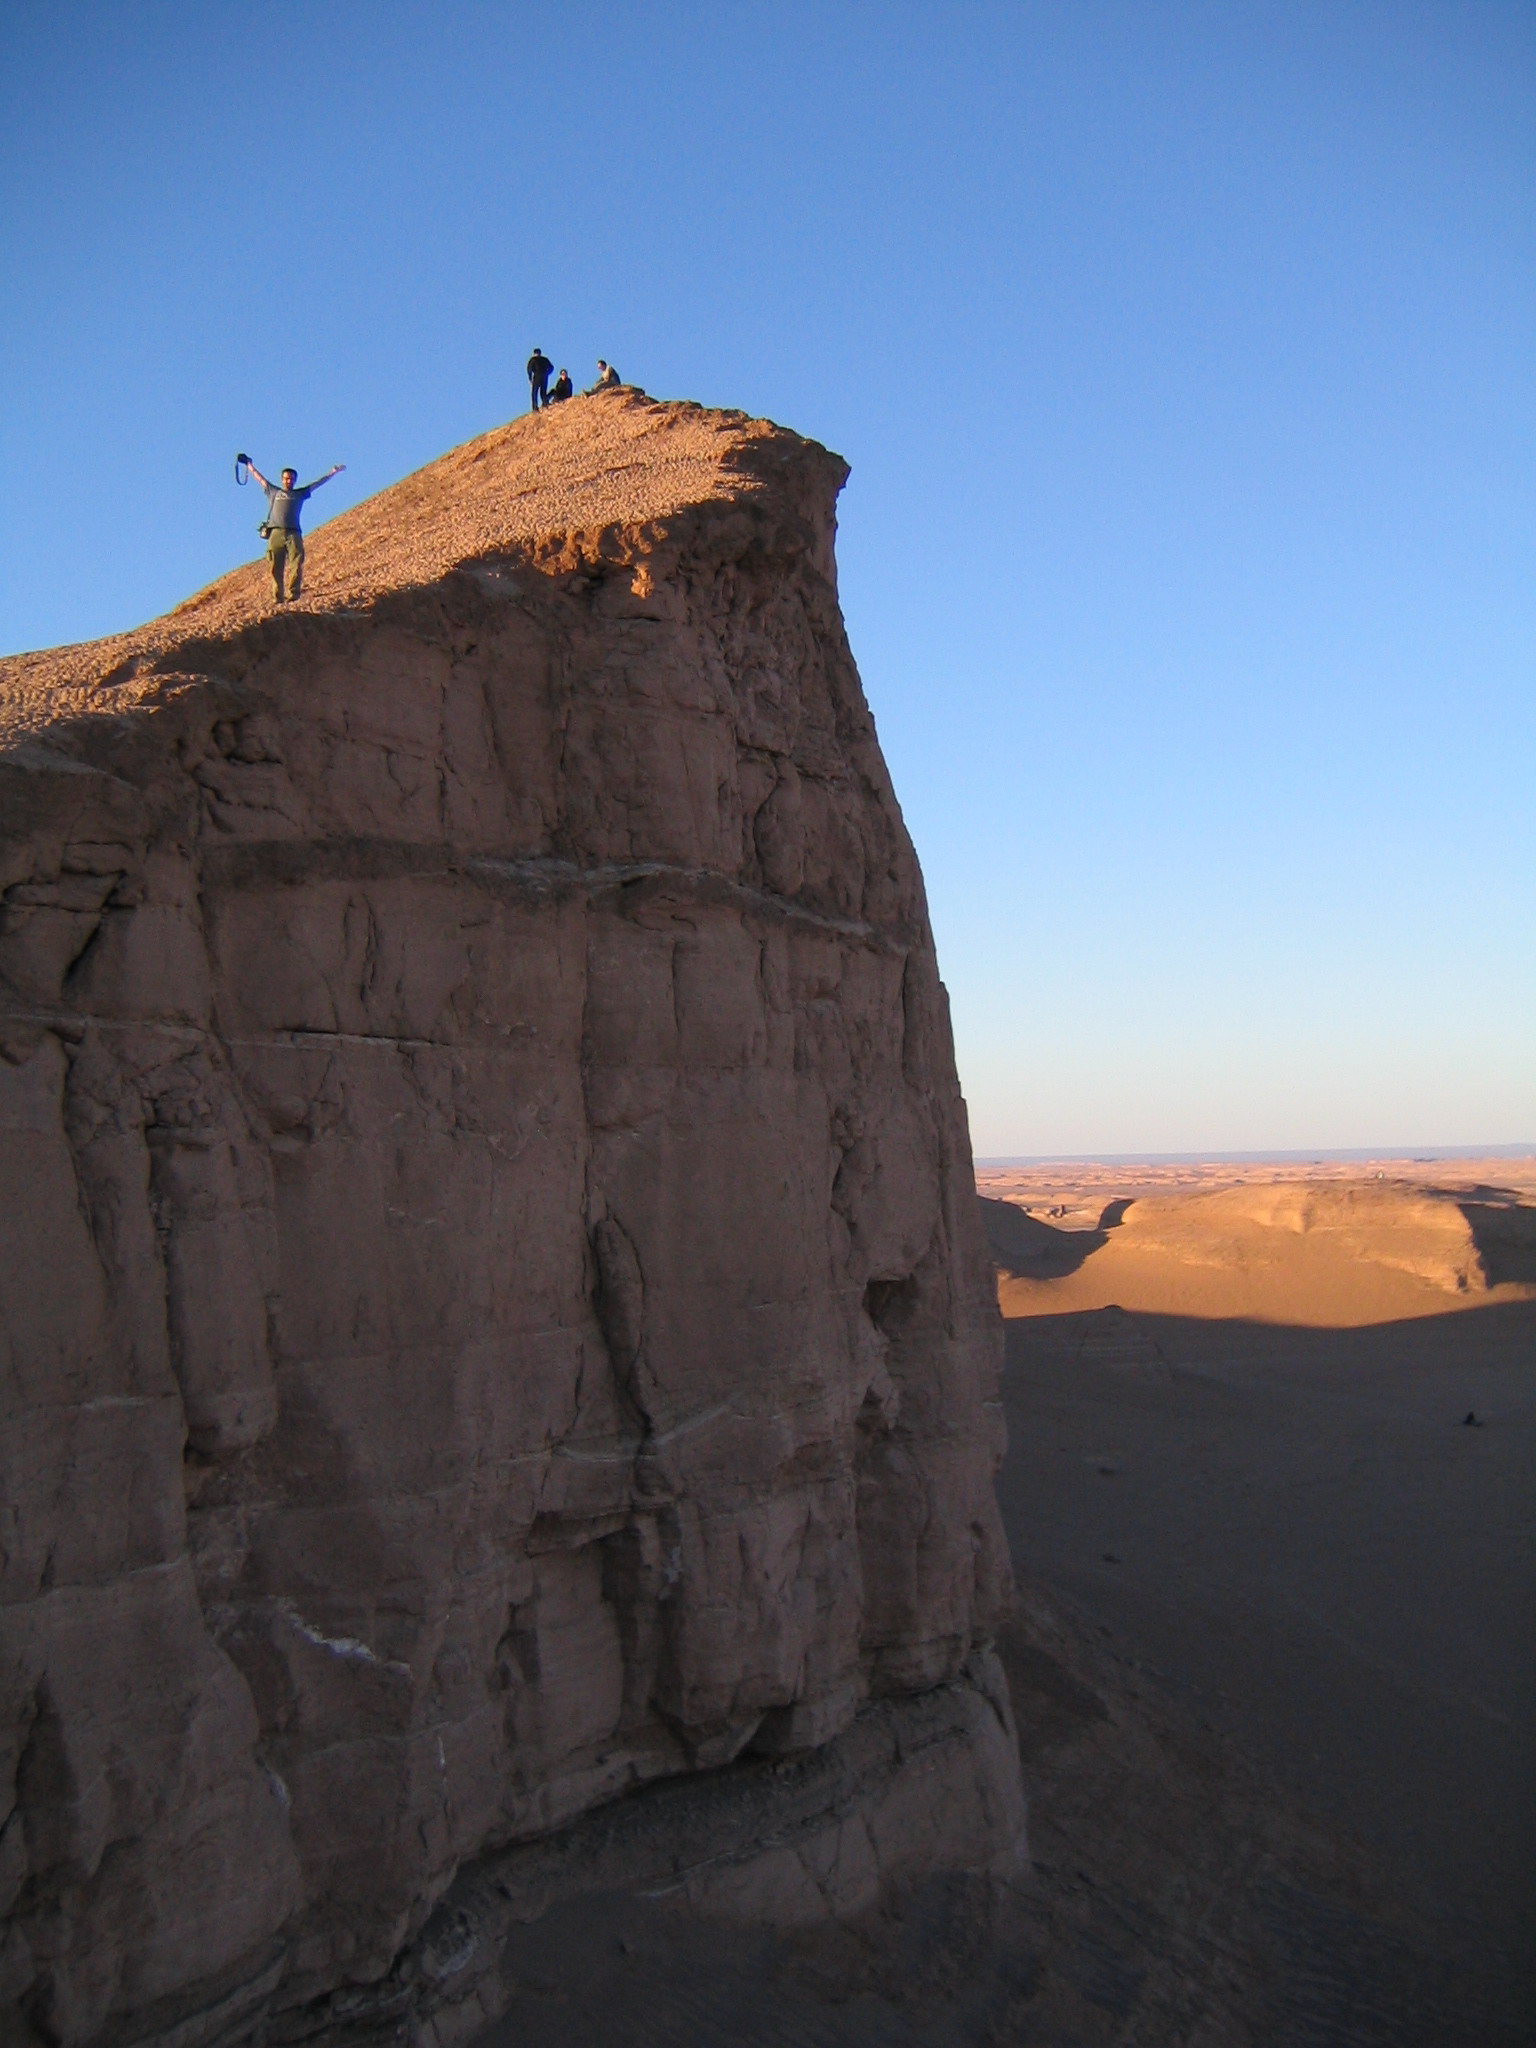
<point>334,470</point>
<point>255,472</point>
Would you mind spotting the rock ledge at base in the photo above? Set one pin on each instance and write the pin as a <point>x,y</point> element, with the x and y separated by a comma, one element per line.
<point>492,1303</point>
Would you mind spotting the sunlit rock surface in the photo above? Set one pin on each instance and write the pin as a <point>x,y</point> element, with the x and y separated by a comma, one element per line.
<point>494,1310</point>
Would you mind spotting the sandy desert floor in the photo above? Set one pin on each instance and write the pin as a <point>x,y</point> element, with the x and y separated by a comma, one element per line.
<point>1293,1533</point>
<point>1273,1658</point>
<point>1239,1447</point>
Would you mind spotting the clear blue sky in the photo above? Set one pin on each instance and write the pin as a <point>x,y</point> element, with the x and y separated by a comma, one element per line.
<point>1184,356</point>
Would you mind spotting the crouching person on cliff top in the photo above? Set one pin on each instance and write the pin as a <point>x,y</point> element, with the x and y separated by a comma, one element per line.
<point>281,530</point>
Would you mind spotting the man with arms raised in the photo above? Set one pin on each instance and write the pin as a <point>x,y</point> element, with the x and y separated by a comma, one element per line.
<point>285,540</point>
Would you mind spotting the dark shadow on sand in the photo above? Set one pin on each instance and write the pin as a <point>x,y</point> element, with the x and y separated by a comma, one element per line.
<point>1293,1528</point>
<point>1504,1231</point>
<point>1028,1248</point>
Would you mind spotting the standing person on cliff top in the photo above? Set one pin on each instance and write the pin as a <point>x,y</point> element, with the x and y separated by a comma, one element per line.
<point>281,529</point>
<point>539,371</point>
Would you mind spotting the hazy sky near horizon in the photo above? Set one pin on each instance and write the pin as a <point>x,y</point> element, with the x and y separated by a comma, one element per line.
<point>1185,355</point>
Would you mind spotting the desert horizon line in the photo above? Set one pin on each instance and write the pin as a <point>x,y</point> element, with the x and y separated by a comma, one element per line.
<point>1278,1156</point>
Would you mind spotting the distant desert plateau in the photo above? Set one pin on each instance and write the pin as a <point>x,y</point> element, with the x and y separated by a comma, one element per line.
<point>1273,1445</point>
<point>1323,1247</point>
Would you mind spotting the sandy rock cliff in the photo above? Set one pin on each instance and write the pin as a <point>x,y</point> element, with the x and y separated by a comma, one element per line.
<point>492,1306</point>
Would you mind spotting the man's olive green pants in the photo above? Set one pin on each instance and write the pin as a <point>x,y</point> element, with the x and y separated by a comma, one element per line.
<point>285,548</point>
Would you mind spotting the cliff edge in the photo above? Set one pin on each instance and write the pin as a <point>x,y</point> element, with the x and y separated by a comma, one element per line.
<point>493,1306</point>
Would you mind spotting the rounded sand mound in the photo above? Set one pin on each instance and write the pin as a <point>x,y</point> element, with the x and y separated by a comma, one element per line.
<point>1316,1253</point>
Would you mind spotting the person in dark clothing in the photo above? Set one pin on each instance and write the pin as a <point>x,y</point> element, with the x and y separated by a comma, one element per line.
<point>564,388</point>
<point>285,541</point>
<point>539,369</point>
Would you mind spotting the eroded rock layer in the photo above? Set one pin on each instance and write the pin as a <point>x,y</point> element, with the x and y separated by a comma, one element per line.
<point>493,1306</point>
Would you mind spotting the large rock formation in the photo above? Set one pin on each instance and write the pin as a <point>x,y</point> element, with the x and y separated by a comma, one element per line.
<point>494,1310</point>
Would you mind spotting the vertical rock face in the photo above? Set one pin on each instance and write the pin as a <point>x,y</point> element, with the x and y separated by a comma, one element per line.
<point>492,1307</point>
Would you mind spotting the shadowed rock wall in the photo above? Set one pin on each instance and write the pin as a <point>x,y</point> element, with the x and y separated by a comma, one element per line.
<point>492,1305</point>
